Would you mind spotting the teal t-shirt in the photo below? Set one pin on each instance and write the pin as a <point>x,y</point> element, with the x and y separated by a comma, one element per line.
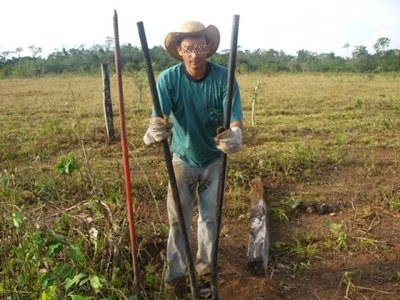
<point>197,110</point>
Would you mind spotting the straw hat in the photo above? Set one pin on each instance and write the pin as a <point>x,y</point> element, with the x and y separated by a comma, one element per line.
<point>192,28</point>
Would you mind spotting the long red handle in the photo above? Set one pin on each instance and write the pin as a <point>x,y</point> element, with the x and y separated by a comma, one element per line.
<point>125,156</point>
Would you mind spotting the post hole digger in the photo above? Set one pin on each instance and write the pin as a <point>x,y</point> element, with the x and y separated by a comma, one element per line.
<point>168,160</point>
<point>192,99</point>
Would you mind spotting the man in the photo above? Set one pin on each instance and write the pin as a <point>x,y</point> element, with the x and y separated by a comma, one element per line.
<point>193,95</point>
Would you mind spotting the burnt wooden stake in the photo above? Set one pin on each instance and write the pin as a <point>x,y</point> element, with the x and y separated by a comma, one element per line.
<point>107,104</point>
<point>258,247</point>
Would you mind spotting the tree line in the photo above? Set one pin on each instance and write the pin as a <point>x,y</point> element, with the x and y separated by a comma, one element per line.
<point>87,61</point>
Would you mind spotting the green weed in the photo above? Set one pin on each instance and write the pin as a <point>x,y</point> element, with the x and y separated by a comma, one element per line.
<point>67,164</point>
<point>301,250</point>
<point>394,204</point>
<point>339,236</point>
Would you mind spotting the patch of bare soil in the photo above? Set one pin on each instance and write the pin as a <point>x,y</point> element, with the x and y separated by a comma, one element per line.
<point>365,266</point>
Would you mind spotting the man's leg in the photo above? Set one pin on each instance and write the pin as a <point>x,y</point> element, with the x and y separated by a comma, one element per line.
<point>207,223</point>
<point>176,256</point>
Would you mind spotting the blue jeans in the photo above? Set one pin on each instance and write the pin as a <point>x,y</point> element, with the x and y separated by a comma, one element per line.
<point>192,181</point>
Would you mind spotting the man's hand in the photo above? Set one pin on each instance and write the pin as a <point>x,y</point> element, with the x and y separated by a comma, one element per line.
<point>230,140</point>
<point>159,130</point>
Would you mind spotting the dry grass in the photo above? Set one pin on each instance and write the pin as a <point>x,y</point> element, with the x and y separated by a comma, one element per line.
<point>317,139</point>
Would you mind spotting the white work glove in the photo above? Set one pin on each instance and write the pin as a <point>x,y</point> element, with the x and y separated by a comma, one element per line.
<point>159,130</point>
<point>230,140</point>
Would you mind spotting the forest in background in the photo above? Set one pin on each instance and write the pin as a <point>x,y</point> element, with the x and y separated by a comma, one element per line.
<point>86,61</point>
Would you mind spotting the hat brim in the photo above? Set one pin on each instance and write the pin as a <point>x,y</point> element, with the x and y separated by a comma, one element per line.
<point>211,33</point>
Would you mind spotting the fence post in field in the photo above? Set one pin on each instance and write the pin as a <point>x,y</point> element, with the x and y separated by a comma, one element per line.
<point>108,111</point>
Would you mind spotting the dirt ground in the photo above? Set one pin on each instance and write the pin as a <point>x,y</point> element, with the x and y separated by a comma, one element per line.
<point>372,272</point>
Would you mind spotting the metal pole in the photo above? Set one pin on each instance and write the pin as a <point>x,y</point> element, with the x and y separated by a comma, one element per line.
<point>222,177</point>
<point>124,144</point>
<point>168,160</point>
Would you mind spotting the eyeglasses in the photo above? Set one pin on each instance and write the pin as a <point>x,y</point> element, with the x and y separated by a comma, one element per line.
<point>195,48</point>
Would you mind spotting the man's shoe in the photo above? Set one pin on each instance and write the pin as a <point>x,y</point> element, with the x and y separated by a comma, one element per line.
<point>205,287</point>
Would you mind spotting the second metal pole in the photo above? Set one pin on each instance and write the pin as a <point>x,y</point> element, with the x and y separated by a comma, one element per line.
<point>222,177</point>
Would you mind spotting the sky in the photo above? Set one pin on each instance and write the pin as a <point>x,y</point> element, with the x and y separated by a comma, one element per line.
<point>319,26</point>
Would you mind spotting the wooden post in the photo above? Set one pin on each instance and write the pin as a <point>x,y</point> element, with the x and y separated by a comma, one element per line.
<point>258,248</point>
<point>108,111</point>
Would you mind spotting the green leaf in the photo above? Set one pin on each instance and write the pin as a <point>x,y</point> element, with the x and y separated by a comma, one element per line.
<point>55,248</point>
<point>17,219</point>
<point>77,254</point>
<point>164,229</point>
<point>43,296</point>
<point>65,271</point>
<point>116,282</point>
<point>84,281</point>
<point>49,293</point>
<point>74,281</point>
<point>96,283</point>
<point>67,164</point>
<point>21,279</point>
<point>78,297</point>
<point>45,280</point>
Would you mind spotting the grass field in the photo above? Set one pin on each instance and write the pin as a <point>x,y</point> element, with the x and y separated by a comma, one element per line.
<point>328,142</point>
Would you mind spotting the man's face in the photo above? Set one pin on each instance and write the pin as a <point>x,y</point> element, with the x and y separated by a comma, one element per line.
<point>194,51</point>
